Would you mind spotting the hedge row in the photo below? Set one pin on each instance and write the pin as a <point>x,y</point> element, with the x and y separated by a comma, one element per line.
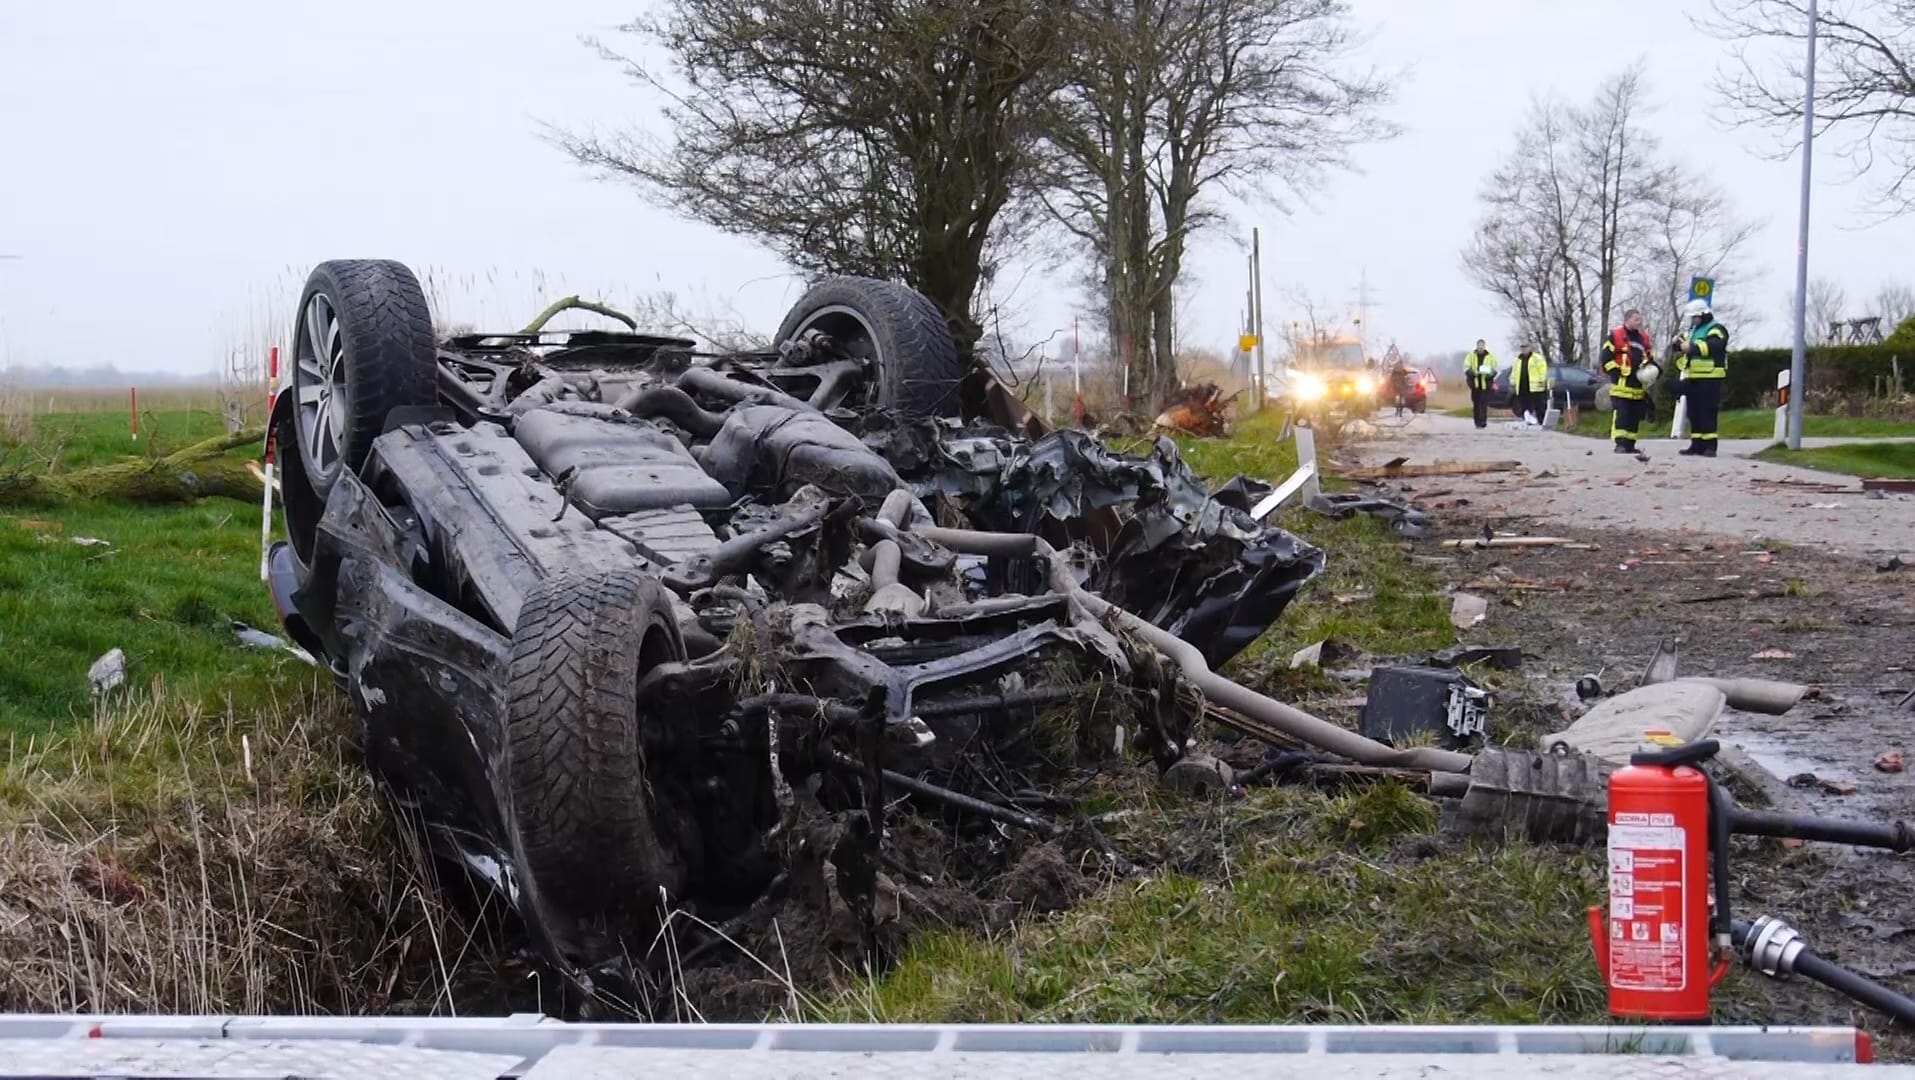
<point>1847,369</point>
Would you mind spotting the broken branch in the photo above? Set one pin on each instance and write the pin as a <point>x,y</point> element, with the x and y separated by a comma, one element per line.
<point>1441,468</point>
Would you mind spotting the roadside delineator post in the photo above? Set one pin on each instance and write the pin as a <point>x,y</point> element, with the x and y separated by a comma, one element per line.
<point>1679,420</point>
<point>1782,389</point>
<point>266,481</point>
<point>133,410</point>
<point>1305,480</point>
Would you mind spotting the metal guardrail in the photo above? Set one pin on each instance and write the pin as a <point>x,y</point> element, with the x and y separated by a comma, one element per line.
<point>524,1040</point>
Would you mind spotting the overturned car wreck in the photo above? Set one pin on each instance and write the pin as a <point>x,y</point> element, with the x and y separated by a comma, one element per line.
<point>630,628</point>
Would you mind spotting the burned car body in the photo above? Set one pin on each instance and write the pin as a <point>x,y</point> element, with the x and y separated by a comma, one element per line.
<point>618,618</point>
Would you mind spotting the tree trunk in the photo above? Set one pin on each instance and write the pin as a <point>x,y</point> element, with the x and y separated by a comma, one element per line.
<point>196,472</point>
<point>1164,344</point>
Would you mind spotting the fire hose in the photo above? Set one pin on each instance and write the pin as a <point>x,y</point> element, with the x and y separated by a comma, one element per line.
<point>1773,947</point>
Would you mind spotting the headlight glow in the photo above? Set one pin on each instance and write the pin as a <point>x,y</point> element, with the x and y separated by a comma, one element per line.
<point>1309,388</point>
<point>1365,384</point>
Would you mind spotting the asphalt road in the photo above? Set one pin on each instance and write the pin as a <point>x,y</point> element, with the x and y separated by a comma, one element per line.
<point>1579,480</point>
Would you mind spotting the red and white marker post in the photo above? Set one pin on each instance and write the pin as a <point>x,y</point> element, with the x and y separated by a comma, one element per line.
<point>266,484</point>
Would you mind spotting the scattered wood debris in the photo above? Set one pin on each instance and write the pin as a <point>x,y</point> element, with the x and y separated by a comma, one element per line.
<point>1519,542</point>
<point>1773,654</point>
<point>1888,483</point>
<point>1516,584</point>
<point>1200,410</point>
<point>1804,487</point>
<point>1891,761</point>
<point>1396,467</point>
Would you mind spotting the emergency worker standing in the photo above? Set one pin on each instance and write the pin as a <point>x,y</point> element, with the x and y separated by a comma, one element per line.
<point>1625,352</point>
<point>1703,364</point>
<point>1479,368</point>
<point>1529,385</point>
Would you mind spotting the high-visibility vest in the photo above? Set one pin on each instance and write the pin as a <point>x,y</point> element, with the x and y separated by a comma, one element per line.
<point>1481,369</point>
<point>1537,379</point>
<point>1620,361</point>
<point>1707,356</point>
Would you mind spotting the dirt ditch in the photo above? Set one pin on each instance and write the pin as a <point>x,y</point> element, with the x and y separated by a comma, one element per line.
<point>1836,623</point>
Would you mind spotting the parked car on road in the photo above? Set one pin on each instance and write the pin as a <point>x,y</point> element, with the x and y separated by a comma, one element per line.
<point>1586,388</point>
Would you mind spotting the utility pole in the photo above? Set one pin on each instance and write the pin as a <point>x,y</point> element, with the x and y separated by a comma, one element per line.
<point>1799,360</point>
<point>1256,313</point>
<point>1363,304</point>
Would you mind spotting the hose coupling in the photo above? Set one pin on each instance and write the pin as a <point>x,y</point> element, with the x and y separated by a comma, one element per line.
<point>1773,946</point>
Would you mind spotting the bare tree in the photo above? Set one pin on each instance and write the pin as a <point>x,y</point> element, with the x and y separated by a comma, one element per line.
<point>878,137</point>
<point>1689,230</point>
<point>1865,81</point>
<point>1828,305</point>
<point>1304,336</point>
<point>1587,216</point>
<point>1172,103</point>
<point>1532,249</point>
<point>1894,302</point>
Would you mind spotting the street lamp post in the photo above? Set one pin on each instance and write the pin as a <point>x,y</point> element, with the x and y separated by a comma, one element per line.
<point>1799,361</point>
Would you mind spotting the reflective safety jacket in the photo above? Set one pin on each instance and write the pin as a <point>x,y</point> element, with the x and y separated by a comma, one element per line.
<point>1530,375</point>
<point>1479,368</point>
<point>1707,354</point>
<point>1624,352</point>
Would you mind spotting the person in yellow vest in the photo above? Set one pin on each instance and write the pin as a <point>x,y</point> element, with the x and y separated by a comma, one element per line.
<point>1625,352</point>
<point>1529,385</point>
<point>1479,370</point>
<point>1702,364</point>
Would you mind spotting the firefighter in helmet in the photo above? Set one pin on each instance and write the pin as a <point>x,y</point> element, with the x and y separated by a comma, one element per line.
<point>1702,363</point>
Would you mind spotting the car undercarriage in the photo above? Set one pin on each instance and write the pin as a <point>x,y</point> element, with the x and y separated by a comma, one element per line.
<point>632,628</point>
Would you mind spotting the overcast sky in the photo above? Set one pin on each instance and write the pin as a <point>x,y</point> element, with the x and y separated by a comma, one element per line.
<point>168,172</point>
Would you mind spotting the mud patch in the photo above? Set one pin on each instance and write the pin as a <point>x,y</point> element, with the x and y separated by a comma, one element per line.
<point>1044,880</point>
<point>1848,633</point>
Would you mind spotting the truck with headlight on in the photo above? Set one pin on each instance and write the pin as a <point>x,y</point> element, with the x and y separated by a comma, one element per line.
<point>1329,380</point>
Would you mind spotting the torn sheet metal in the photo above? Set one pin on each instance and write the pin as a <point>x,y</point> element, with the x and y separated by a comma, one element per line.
<point>1402,518</point>
<point>1194,563</point>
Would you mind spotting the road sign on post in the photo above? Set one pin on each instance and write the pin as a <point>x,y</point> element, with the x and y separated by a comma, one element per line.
<point>1703,288</point>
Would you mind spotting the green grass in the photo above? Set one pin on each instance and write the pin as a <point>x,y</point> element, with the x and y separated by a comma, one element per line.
<point>1895,460</point>
<point>65,442</point>
<point>165,592</point>
<point>1760,424</point>
<point>1332,911</point>
<point>164,588</point>
<point>1252,450</point>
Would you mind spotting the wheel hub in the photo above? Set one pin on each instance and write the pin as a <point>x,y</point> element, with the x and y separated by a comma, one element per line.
<point>319,374</point>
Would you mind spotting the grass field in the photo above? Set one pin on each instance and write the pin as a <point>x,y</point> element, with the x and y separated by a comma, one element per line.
<point>1861,459</point>
<point>1760,424</point>
<point>164,587</point>
<point>1321,912</point>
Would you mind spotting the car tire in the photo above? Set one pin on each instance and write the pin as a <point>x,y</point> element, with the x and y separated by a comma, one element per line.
<point>919,369</point>
<point>362,347</point>
<point>575,761</point>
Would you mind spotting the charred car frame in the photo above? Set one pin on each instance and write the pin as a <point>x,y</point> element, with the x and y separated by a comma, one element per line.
<point>622,621</point>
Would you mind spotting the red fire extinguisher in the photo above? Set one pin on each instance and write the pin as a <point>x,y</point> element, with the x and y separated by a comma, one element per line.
<point>1668,823</point>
